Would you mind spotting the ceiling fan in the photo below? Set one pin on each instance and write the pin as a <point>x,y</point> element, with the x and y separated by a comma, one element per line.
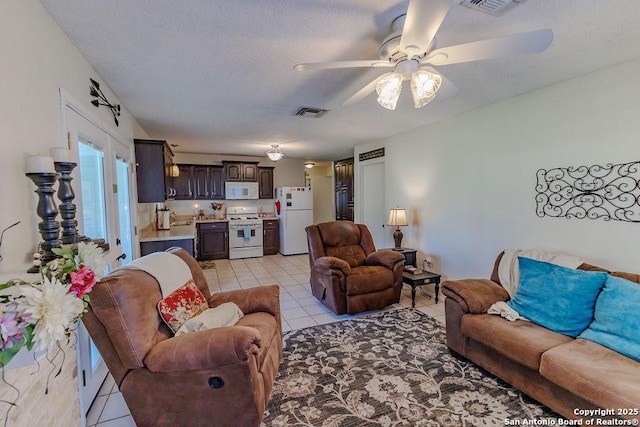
<point>411,49</point>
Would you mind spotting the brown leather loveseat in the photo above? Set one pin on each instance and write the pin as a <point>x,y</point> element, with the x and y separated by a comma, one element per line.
<point>571,376</point>
<point>348,275</point>
<point>220,376</point>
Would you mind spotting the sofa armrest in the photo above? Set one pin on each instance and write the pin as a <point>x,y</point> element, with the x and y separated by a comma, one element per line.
<point>252,300</point>
<point>332,263</point>
<point>386,258</point>
<point>474,295</point>
<point>204,349</point>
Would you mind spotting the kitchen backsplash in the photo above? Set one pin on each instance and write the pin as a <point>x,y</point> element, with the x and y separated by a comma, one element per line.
<point>191,207</point>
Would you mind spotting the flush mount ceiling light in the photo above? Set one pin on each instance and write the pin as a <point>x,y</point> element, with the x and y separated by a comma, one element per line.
<point>274,154</point>
<point>309,165</point>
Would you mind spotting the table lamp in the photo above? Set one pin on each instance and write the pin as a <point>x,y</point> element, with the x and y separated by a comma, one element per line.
<point>397,217</point>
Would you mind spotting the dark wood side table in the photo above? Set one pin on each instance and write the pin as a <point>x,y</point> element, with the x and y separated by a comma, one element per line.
<point>424,278</point>
<point>409,255</point>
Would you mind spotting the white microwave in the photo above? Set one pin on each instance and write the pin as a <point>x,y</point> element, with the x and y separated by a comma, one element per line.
<point>241,190</point>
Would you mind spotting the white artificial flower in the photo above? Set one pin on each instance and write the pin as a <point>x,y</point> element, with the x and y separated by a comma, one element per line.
<point>91,256</point>
<point>51,308</point>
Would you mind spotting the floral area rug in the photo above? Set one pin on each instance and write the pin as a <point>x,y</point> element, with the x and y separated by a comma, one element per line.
<point>207,265</point>
<point>387,369</point>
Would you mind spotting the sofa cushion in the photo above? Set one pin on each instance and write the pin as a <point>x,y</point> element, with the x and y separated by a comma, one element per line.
<point>616,318</point>
<point>558,298</point>
<point>370,278</point>
<point>181,305</point>
<point>593,372</point>
<point>520,341</point>
<point>226,314</point>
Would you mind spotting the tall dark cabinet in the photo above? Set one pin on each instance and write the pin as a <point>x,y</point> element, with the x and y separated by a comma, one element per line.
<point>271,236</point>
<point>344,189</point>
<point>153,161</point>
<point>265,182</point>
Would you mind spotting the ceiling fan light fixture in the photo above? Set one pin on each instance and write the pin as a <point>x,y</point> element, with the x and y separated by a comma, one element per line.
<point>424,86</point>
<point>388,89</point>
<point>274,154</point>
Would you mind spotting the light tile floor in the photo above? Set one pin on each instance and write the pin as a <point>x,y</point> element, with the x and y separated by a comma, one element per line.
<point>299,310</point>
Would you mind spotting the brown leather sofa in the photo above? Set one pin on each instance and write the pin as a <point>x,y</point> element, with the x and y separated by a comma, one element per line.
<point>564,373</point>
<point>221,376</point>
<point>348,275</point>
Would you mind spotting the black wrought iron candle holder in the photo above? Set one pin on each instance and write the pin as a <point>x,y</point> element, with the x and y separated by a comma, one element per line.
<point>49,228</point>
<point>67,207</point>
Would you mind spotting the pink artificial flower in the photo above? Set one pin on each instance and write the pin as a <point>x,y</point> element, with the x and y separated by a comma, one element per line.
<point>82,281</point>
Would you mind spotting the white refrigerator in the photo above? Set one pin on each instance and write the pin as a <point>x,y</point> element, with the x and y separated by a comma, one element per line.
<point>296,213</point>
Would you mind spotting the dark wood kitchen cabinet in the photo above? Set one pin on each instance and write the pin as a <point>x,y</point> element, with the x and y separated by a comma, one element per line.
<point>153,162</point>
<point>271,236</point>
<point>213,240</point>
<point>183,183</point>
<point>240,171</point>
<point>265,182</point>
<point>344,189</point>
<point>216,180</point>
<point>162,245</point>
<point>200,182</point>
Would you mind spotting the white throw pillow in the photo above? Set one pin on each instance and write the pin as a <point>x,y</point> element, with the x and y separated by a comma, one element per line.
<point>226,314</point>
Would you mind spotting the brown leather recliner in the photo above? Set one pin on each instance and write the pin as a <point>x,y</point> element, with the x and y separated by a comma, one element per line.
<point>348,275</point>
<point>220,376</point>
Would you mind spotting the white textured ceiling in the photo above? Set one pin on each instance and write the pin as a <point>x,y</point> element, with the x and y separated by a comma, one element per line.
<point>216,76</point>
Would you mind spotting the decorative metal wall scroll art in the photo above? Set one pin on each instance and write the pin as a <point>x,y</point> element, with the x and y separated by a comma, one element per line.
<point>607,192</point>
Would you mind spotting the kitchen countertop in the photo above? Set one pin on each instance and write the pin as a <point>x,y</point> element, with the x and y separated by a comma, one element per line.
<point>177,232</point>
<point>180,232</point>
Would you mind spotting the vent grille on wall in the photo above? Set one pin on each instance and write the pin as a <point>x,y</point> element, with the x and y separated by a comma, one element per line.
<point>314,113</point>
<point>492,7</point>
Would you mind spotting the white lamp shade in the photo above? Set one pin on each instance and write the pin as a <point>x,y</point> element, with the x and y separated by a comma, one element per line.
<point>388,89</point>
<point>397,217</point>
<point>274,154</point>
<point>424,86</point>
<point>174,171</point>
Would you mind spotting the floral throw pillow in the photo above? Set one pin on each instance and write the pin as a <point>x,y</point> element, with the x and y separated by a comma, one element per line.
<point>181,305</point>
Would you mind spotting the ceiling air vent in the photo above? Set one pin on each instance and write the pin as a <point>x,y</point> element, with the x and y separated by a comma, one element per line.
<point>314,113</point>
<point>492,7</point>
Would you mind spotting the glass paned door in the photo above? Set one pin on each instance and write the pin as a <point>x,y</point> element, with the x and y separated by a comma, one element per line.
<point>103,197</point>
<point>94,217</point>
<point>123,172</point>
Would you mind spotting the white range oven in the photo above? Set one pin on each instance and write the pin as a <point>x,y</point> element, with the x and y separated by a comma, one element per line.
<point>245,233</point>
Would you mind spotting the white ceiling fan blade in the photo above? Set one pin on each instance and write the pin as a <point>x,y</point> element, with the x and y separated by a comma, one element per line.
<point>342,64</point>
<point>423,20</point>
<point>515,44</point>
<point>362,93</point>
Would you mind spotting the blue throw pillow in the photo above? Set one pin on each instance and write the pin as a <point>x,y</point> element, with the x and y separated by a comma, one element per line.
<point>559,298</point>
<point>617,318</point>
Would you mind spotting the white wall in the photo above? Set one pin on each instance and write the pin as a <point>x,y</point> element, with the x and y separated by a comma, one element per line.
<point>37,60</point>
<point>321,178</point>
<point>468,182</point>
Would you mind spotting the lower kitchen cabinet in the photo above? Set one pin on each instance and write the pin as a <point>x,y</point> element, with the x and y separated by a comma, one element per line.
<point>162,245</point>
<point>271,240</point>
<point>213,240</point>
